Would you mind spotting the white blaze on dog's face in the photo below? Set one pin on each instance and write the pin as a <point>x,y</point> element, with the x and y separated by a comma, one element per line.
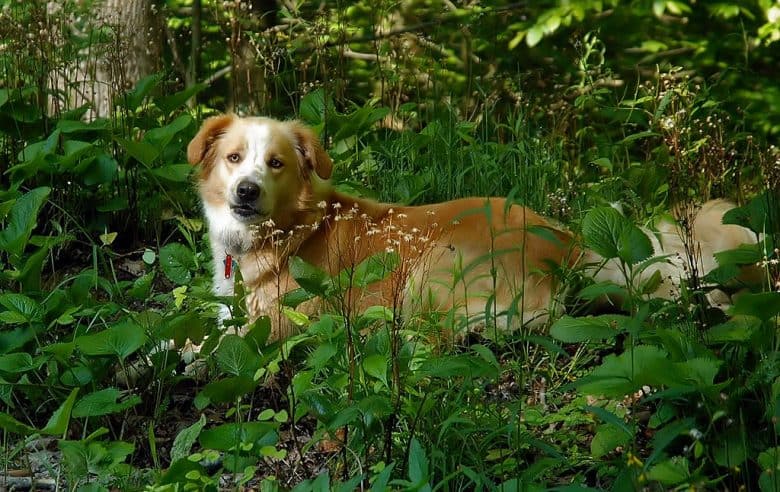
<point>253,170</point>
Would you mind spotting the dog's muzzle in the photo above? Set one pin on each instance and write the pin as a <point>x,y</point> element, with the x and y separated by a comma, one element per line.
<point>246,203</point>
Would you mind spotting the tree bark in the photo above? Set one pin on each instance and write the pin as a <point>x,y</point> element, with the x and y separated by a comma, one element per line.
<point>110,67</point>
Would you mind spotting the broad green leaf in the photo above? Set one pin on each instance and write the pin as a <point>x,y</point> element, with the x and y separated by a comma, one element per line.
<point>161,137</point>
<point>19,362</point>
<point>104,402</point>
<point>226,436</point>
<point>601,289</point>
<point>186,438</point>
<point>226,390</point>
<point>21,308</point>
<point>746,254</point>
<point>59,420</point>
<point>611,235</point>
<point>79,126</point>
<point>623,374</point>
<point>296,317</point>
<point>674,471</point>
<point>769,460</point>
<point>575,330</point>
<point>418,465</point>
<point>142,286</point>
<point>234,356</point>
<point>103,169</point>
<point>381,480</point>
<point>21,221</point>
<point>730,449</point>
<point>321,355</point>
<point>601,230</point>
<point>144,152</point>
<point>175,173</point>
<point>373,269</point>
<point>634,245</point>
<point>737,329</point>
<point>10,424</point>
<point>376,366</point>
<point>177,262</point>
<point>149,257</point>
<point>119,340</point>
<point>133,98</point>
<point>764,305</point>
<point>310,278</point>
<point>607,438</point>
<point>534,35</point>
<point>759,215</point>
<point>177,100</point>
<point>315,107</point>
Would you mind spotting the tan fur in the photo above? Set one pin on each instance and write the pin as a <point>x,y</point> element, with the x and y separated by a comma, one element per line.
<point>454,256</point>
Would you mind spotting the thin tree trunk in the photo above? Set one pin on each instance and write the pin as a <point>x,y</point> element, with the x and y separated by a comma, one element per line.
<point>110,68</point>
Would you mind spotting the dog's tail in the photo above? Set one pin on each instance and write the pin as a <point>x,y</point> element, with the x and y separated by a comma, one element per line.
<point>688,251</point>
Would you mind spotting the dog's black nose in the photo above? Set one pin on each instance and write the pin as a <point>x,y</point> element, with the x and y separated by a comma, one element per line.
<point>247,191</point>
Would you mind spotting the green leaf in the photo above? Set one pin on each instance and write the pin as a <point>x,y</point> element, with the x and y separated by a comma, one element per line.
<point>381,480</point>
<point>611,235</point>
<point>104,402</point>
<point>534,35</point>
<point>764,305</point>
<point>162,136</point>
<point>226,436</point>
<point>10,424</point>
<point>168,104</point>
<point>739,329</point>
<point>674,471</point>
<point>309,277</point>
<point>226,390</point>
<point>144,152</point>
<point>602,289</point>
<point>607,438</point>
<point>575,330</point>
<point>418,465</point>
<point>120,340</point>
<point>177,262</point>
<point>234,356</point>
<point>103,169</point>
<point>371,270</point>
<point>759,215</point>
<point>19,362</point>
<point>769,460</point>
<point>21,221</point>
<point>79,126</point>
<point>315,107</point>
<point>133,98</point>
<point>21,308</point>
<point>376,366</point>
<point>623,374</point>
<point>59,420</point>
<point>142,286</point>
<point>175,173</point>
<point>634,245</point>
<point>186,438</point>
<point>601,230</point>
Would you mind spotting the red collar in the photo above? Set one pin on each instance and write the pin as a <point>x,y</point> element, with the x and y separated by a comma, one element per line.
<point>229,263</point>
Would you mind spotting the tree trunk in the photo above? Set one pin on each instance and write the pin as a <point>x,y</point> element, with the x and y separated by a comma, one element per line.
<point>248,84</point>
<point>110,67</point>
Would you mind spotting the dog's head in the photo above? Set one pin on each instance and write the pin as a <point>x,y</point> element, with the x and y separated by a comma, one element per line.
<point>255,169</point>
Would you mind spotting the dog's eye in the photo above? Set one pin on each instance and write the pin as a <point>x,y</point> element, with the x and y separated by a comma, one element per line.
<point>234,157</point>
<point>275,163</point>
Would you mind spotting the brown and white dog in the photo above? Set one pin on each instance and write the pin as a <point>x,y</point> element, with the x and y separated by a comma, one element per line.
<point>266,195</point>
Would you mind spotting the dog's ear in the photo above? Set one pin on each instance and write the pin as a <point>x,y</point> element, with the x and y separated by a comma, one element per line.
<point>308,146</point>
<point>209,132</point>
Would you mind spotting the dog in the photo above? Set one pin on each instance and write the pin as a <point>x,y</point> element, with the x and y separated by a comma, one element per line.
<point>265,189</point>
